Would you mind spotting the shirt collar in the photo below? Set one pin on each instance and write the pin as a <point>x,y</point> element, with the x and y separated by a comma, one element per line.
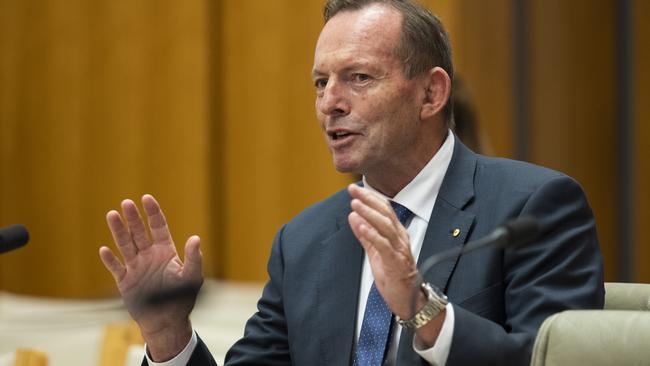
<point>420,194</point>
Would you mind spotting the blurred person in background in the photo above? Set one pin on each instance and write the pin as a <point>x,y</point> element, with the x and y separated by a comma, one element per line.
<point>466,122</point>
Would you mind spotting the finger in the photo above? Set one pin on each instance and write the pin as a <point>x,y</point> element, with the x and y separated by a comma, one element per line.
<point>193,267</point>
<point>112,263</point>
<point>355,224</point>
<point>135,224</point>
<point>377,220</point>
<point>157,222</point>
<point>368,240</point>
<point>378,203</point>
<point>373,200</point>
<point>121,235</point>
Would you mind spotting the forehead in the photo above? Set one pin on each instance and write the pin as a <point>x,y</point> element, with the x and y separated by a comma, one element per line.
<point>373,31</point>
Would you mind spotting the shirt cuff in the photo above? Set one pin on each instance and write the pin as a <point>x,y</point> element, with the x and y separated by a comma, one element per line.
<point>438,354</point>
<point>181,359</point>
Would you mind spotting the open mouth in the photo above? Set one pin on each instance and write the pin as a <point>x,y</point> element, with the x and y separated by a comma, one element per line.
<point>339,135</point>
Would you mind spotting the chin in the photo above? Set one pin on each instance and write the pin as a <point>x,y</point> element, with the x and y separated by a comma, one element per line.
<point>345,165</point>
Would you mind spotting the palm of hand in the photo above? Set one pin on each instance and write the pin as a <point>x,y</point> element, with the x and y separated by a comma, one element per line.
<point>151,270</point>
<point>396,267</point>
<point>155,270</point>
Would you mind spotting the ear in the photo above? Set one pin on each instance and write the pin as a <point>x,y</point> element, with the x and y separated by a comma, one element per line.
<point>437,91</point>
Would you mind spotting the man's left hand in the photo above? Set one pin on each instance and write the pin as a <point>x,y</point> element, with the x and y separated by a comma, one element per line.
<point>388,248</point>
<point>387,245</point>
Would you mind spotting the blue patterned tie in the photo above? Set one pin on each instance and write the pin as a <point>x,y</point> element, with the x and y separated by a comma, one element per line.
<point>375,329</point>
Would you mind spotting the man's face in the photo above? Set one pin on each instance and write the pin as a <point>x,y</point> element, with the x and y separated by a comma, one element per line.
<point>367,108</point>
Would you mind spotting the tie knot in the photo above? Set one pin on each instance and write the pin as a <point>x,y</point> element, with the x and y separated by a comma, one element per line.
<point>403,214</point>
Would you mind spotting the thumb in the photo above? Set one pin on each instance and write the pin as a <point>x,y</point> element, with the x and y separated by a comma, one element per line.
<point>193,267</point>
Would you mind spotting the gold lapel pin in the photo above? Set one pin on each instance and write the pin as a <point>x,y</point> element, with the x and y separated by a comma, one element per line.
<point>456,232</point>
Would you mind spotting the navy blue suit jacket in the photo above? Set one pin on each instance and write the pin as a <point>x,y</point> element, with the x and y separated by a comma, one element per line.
<point>307,313</point>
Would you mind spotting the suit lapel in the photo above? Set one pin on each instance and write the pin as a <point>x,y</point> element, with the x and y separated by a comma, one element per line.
<point>450,224</point>
<point>440,237</point>
<point>338,293</point>
<point>456,191</point>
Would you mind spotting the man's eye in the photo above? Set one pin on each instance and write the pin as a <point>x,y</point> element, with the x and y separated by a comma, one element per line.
<point>320,83</point>
<point>361,78</point>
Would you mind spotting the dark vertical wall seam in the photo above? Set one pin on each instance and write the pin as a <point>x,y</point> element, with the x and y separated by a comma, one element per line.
<point>520,80</point>
<point>625,140</point>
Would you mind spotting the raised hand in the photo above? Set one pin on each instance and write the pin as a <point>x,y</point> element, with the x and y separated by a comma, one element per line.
<point>151,264</point>
<point>387,246</point>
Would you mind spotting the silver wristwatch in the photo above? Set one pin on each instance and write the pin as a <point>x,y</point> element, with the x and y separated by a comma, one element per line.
<point>436,301</point>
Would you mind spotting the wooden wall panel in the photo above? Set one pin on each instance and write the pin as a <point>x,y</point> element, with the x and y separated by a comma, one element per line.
<point>572,102</point>
<point>99,101</point>
<point>641,34</point>
<point>276,161</point>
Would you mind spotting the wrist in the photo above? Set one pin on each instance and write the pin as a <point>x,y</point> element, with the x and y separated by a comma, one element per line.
<point>408,311</point>
<point>166,343</point>
<point>427,335</point>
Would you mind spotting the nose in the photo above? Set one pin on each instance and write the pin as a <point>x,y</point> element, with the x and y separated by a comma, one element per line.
<point>332,100</point>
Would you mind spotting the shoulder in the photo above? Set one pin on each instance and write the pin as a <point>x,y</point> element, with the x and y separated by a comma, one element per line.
<point>322,217</point>
<point>299,239</point>
<point>329,207</point>
<point>495,182</point>
<point>504,188</point>
<point>516,176</point>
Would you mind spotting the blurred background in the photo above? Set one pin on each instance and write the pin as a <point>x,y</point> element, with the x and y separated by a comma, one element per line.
<point>209,106</point>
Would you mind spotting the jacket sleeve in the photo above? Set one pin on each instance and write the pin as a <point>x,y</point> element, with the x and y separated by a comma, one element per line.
<point>201,356</point>
<point>561,270</point>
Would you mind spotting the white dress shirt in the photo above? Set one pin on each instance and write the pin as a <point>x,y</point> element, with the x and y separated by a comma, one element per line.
<point>419,196</point>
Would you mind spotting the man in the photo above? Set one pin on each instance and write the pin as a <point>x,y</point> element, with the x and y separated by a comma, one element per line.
<point>342,273</point>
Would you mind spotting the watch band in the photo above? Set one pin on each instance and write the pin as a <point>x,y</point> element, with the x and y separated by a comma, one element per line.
<point>436,301</point>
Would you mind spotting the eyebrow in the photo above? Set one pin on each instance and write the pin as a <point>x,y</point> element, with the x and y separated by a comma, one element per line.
<point>315,73</point>
<point>355,64</point>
